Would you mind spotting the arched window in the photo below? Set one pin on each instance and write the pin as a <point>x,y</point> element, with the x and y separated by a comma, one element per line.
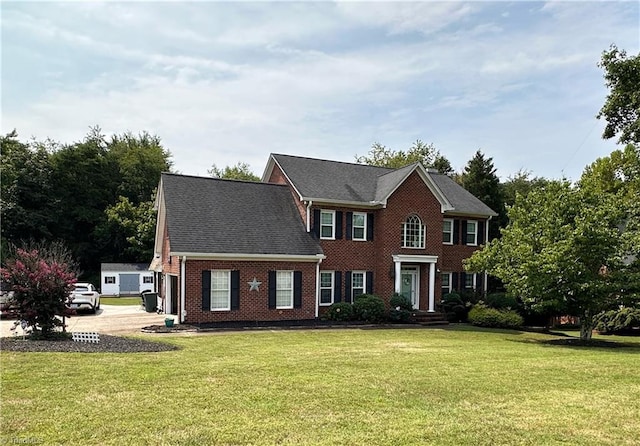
<point>413,232</point>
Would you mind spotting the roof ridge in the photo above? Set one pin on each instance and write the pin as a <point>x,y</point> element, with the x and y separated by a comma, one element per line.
<point>333,161</point>
<point>226,180</point>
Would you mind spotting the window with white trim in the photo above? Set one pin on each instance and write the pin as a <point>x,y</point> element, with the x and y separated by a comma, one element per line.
<point>447,231</point>
<point>413,232</point>
<point>147,279</point>
<point>109,279</point>
<point>284,289</point>
<point>327,224</point>
<point>472,232</point>
<point>359,226</point>
<point>445,279</point>
<point>220,290</point>
<point>358,283</point>
<point>326,287</point>
<point>470,281</point>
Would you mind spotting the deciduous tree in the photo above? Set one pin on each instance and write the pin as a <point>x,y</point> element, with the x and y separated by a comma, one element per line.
<point>241,171</point>
<point>427,154</point>
<point>621,109</point>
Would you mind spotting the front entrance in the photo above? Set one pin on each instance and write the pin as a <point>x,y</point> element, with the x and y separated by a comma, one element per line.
<point>410,284</point>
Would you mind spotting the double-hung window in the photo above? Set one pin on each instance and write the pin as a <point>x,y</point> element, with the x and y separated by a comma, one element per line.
<point>109,279</point>
<point>284,289</point>
<point>472,233</point>
<point>445,279</point>
<point>147,279</point>
<point>470,281</point>
<point>413,232</point>
<point>220,290</point>
<point>359,226</point>
<point>447,231</point>
<point>327,224</point>
<point>326,287</point>
<point>358,283</point>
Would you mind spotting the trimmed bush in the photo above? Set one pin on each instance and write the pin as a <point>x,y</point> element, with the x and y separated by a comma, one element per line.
<point>454,307</point>
<point>400,308</point>
<point>502,301</point>
<point>623,321</point>
<point>483,316</point>
<point>369,308</point>
<point>341,311</point>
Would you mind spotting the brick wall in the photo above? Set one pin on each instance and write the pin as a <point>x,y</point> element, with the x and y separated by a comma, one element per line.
<point>254,305</point>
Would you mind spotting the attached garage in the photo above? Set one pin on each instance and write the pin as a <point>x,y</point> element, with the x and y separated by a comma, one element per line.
<point>125,279</point>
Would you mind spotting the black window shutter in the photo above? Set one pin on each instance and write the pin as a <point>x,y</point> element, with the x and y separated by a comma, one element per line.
<point>369,282</point>
<point>456,232</point>
<point>272,289</point>
<point>463,232</point>
<point>370,226</point>
<point>316,222</point>
<point>481,233</point>
<point>455,285</point>
<point>347,286</point>
<point>337,286</point>
<point>235,290</point>
<point>206,290</point>
<point>338,225</point>
<point>479,279</point>
<point>463,280</point>
<point>349,231</point>
<point>297,289</point>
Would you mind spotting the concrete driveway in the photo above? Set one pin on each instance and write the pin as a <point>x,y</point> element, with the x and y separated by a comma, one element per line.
<point>110,319</point>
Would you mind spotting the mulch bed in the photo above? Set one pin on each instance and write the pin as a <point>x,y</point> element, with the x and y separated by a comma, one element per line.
<point>107,344</point>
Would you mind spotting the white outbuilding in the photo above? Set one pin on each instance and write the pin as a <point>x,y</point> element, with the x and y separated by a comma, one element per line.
<point>125,279</point>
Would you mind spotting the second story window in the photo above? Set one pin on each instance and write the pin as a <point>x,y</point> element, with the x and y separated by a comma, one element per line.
<point>359,226</point>
<point>447,231</point>
<point>413,233</point>
<point>327,224</point>
<point>472,233</point>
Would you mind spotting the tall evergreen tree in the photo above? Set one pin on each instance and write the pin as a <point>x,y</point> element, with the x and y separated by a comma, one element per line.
<point>479,177</point>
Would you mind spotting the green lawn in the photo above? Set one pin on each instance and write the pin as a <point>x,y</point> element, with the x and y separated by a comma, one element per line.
<point>456,386</point>
<point>120,301</point>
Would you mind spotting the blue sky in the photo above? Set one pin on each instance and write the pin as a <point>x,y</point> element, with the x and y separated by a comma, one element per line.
<point>222,82</point>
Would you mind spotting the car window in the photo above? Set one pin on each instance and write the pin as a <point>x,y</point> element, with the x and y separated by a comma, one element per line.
<point>82,288</point>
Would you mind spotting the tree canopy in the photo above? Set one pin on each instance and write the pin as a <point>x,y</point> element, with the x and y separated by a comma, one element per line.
<point>241,171</point>
<point>621,109</point>
<point>427,154</point>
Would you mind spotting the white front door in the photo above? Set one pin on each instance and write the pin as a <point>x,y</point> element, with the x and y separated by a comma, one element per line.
<point>410,285</point>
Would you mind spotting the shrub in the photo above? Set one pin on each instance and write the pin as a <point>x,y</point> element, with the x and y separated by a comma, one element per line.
<point>502,301</point>
<point>340,311</point>
<point>41,280</point>
<point>400,308</point>
<point>369,308</point>
<point>622,321</point>
<point>454,307</point>
<point>483,316</point>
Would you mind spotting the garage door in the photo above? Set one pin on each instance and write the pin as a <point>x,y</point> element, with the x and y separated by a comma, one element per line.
<point>129,283</point>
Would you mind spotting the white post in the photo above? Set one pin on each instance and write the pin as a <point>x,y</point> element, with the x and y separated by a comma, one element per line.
<point>432,286</point>
<point>397,276</point>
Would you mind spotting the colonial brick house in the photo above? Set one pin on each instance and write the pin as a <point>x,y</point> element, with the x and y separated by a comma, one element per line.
<point>312,233</point>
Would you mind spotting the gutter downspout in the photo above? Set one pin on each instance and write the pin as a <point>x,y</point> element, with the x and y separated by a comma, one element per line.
<point>309,203</point>
<point>318,288</point>
<point>183,288</point>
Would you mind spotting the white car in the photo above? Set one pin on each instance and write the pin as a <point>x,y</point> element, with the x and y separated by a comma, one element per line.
<point>84,296</point>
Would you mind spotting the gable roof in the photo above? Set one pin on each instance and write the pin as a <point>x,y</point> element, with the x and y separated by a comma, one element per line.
<point>123,267</point>
<point>214,216</point>
<point>369,186</point>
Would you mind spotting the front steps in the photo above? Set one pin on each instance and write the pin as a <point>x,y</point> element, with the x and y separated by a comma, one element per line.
<point>425,318</point>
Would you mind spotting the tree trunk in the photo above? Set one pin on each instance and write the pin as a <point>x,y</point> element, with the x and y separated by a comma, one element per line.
<point>586,326</point>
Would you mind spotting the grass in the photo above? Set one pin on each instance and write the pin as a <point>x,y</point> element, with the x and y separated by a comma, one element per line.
<point>121,300</point>
<point>455,386</point>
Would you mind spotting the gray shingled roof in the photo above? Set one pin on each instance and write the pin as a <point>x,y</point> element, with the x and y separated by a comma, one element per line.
<point>340,181</point>
<point>209,215</point>
<point>124,267</point>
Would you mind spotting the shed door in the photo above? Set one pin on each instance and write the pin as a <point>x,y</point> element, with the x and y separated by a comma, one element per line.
<point>129,283</point>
